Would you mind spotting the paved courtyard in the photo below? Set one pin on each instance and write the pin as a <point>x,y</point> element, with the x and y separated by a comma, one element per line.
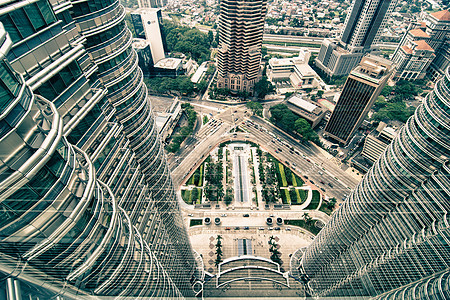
<point>204,238</point>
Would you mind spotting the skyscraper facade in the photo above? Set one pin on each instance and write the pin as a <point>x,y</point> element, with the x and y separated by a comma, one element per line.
<point>362,29</point>
<point>391,238</point>
<point>360,91</point>
<point>87,201</point>
<point>241,26</point>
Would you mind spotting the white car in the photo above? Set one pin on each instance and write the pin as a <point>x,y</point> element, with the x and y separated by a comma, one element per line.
<point>223,215</point>
<point>261,228</point>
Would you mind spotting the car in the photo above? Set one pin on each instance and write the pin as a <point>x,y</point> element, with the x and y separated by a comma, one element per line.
<point>308,160</point>
<point>261,228</point>
<point>294,164</point>
<point>306,177</point>
<point>288,229</point>
<point>190,215</point>
<point>228,228</point>
<point>277,228</point>
<point>330,184</point>
<point>320,172</point>
<point>246,215</point>
<point>312,182</point>
<point>246,228</point>
<point>287,162</point>
<point>323,190</point>
<point>280,150</point>
<point>237,228</point>
<point>223,215</point>
<point>270,228</point>
<point>322,182</point>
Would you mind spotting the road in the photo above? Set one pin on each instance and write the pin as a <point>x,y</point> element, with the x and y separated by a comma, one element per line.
<point>310,161</point>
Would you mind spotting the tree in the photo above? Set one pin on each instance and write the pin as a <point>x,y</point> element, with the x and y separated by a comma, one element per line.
<point>303,128</point>
<point>263,88</point>
<point>386,91</point>
<point>273,249</point>
<point>219,253</point>
<point>308,219</point>
<point>210,37</point>
<point>320,93</point>
<point>256,107</point>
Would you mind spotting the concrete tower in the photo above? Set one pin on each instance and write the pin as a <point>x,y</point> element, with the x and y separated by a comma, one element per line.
<point>362,29</point>
<point>241,26</point>
<point>361,89</point>
<point>390,239</point>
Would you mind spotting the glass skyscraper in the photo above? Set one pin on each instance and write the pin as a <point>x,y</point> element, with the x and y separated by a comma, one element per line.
<point>391,238</point>
<point>86,199</point>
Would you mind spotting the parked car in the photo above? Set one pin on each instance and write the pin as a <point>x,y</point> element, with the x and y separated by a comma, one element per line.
<point>237,228</point>
<point>246,228</point>
<point>246,215</point>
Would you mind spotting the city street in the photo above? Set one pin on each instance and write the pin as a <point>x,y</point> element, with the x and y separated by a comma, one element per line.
<point>310,161</point>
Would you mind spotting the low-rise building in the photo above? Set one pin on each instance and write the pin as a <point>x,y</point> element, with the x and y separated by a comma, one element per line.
<point>306,109</point>
<point>295,71</point>
<point>166,121</point>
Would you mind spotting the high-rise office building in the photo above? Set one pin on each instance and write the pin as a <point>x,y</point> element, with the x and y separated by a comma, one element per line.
<point>424,48</point>
<point>147,24</point>
<point>391,238</point>
<point>362,29</point>
<point>241,26</point>
<point>87,201</point>
<point>360,91</point>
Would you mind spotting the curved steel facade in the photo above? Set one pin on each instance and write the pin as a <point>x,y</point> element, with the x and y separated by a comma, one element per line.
<point>94,223</point>
<point>394,230</point>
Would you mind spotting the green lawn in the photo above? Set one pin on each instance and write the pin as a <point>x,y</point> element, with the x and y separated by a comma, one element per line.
<point>186,196</point>
<point>200,180</point>
<point>195,222</point>
<point>294,196</point>
<point>314,201</point>
<point>283,176</point>
<point>283,196</point>
<point>301,223</point>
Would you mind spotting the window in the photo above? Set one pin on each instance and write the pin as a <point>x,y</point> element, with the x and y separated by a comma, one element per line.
<point>58,83</point>
<point>23,22</point>
<point>9,85</point>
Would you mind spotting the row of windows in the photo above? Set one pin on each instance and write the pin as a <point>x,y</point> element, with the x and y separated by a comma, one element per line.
<point>23,22</point>
<point>84,125</point>
<point>33,191</point>
<point>104,36</point>
<point>84,8</point>
<point>114,61</point>
<point>52,88</point>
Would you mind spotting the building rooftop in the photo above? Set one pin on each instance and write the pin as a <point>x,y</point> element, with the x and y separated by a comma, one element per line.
<point>418,33</point>
<point>139,43</point>
<point>303,104</point>
<point>407,49</point>
<point>443,15</point>
<point>168,63</point>
<point>422,45</point>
